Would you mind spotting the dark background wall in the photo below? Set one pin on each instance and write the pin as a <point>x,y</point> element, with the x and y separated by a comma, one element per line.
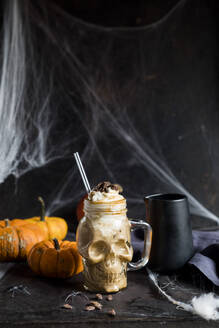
<point>133,87</point>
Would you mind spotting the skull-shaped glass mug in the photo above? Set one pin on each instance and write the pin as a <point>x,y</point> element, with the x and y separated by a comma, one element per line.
<point>104,241</point>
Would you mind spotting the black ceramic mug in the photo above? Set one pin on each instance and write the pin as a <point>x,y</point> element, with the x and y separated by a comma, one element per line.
<point>172,245</point>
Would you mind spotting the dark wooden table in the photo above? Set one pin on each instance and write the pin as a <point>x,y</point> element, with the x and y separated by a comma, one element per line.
<point>139,305</point>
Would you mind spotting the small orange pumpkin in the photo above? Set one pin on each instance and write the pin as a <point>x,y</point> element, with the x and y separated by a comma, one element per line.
<point>13,223</point>
<point>55,259</point>
<point>52,227</point>
<point>16,242</point>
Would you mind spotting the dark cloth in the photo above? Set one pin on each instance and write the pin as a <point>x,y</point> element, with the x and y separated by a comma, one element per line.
<point>206,255</point>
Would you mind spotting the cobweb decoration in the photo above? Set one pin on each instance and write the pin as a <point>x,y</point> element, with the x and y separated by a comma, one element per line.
<point>205,305</point>
<point>65,87</point>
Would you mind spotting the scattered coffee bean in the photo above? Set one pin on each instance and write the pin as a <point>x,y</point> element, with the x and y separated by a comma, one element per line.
<point>67,306</point>
<point>89,308</point>
<point>96,304</point>
<point>99,296</point>
<point>112,312</point>
<point>109,297</point>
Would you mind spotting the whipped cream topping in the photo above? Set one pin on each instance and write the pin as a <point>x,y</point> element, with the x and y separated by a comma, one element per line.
<point>105,200</point>
<point>109,196</point>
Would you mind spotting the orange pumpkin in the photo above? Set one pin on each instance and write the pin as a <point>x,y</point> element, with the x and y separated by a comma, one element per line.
<point>15,222</point>
<point>55,259</point>
<point>52,227</point>
<point>16,242</point>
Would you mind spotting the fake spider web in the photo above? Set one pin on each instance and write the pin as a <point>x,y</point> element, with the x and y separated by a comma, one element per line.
<point>68,86</point>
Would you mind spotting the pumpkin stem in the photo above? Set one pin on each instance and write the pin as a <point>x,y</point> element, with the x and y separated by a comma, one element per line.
<point>42,216</point>
<point>7,222</point>
<point>56,243</point>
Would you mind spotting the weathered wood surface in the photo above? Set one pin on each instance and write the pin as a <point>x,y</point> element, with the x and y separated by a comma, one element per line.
<point>139,305</point>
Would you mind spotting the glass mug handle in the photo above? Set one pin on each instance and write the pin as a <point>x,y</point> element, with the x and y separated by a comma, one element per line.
<point>147,244</point>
